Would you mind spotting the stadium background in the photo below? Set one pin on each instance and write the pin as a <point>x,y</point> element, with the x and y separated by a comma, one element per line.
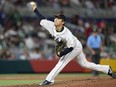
<point>23,41</point>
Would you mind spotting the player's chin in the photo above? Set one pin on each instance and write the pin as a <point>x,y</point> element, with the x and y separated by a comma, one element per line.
<point>55,25</point>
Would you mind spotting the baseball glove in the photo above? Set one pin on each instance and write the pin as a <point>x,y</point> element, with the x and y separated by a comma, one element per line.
<point>61,43</point>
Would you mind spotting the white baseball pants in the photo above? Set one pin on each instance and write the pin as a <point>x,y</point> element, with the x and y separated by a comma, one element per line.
<point>80,57</point>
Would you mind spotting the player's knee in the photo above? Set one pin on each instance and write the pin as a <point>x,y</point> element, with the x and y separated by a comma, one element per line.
<point>85,64</point>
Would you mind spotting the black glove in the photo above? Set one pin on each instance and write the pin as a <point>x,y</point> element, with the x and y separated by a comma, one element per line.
<point>61,43</point>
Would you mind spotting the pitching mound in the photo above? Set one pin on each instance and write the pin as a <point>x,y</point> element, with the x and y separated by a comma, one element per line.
<point>79,82</point>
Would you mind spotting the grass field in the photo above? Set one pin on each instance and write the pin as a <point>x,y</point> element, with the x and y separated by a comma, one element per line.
<point>16,79</point>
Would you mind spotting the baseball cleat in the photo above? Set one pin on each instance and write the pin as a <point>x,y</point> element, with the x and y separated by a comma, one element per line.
<point>113,75</point>
<point>46,83</point>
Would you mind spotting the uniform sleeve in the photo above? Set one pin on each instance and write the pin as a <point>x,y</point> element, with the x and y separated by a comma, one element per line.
<point>40,16</point>
<point>48,25</point>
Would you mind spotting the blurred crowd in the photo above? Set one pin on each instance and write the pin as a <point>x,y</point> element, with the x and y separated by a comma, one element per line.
<point>22,38</point>
<point>65,3</point>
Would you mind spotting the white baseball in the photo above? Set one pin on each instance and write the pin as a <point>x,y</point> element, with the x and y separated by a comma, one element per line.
<point>32,3</point>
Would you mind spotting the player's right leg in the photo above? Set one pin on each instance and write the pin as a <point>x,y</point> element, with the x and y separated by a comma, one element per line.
<point>102,68</point>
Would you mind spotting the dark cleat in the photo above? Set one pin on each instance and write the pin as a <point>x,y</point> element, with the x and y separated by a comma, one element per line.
<point>113,76</point>
<point>110,73</point>
<point>46,83</point>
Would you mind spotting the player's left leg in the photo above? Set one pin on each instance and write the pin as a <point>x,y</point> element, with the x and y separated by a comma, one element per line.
<point>102,68</point>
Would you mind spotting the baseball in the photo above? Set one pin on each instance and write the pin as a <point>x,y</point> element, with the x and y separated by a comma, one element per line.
<point>32,3</point>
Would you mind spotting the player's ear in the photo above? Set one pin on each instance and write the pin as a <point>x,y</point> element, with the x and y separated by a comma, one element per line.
<point>63,22</point>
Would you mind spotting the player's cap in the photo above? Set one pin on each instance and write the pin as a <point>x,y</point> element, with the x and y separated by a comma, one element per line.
<point>60,16</point>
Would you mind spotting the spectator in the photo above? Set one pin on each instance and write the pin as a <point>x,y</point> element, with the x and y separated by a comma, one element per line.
<point>88,29</point>
<point>77,2</point>
<point>35,54</point>
<point>30,44</point>
<point>64,3</point>
<point>2,17</point>
<point>25,54</point>
<point>88,4</point>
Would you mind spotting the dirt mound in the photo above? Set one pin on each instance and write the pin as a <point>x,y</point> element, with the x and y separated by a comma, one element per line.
<point>79,82</point>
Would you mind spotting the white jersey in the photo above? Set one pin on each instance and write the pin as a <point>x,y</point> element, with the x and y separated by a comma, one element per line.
<point>71,40</point>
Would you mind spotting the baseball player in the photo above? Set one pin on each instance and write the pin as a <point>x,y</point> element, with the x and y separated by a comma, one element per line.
<point>68,47</point>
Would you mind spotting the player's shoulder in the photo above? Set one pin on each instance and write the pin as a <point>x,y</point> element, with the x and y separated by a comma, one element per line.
<point>66,29</point>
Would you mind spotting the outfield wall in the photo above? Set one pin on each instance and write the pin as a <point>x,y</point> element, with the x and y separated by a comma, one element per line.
<point>44,66</point>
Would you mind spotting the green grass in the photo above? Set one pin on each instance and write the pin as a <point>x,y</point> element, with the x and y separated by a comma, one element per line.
<point>16,82</point>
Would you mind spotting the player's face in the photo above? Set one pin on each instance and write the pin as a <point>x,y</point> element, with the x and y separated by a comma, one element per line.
<point>58,22</point>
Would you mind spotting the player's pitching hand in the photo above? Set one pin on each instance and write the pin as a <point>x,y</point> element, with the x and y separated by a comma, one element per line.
<point>33,5</point>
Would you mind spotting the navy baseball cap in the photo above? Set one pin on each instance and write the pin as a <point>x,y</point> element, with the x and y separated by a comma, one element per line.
<point>60,16</point>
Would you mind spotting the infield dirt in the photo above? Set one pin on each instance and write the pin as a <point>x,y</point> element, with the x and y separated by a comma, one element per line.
<point>87,81</point>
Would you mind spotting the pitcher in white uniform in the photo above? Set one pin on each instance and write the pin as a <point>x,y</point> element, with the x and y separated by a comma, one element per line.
<point>73,47</point>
